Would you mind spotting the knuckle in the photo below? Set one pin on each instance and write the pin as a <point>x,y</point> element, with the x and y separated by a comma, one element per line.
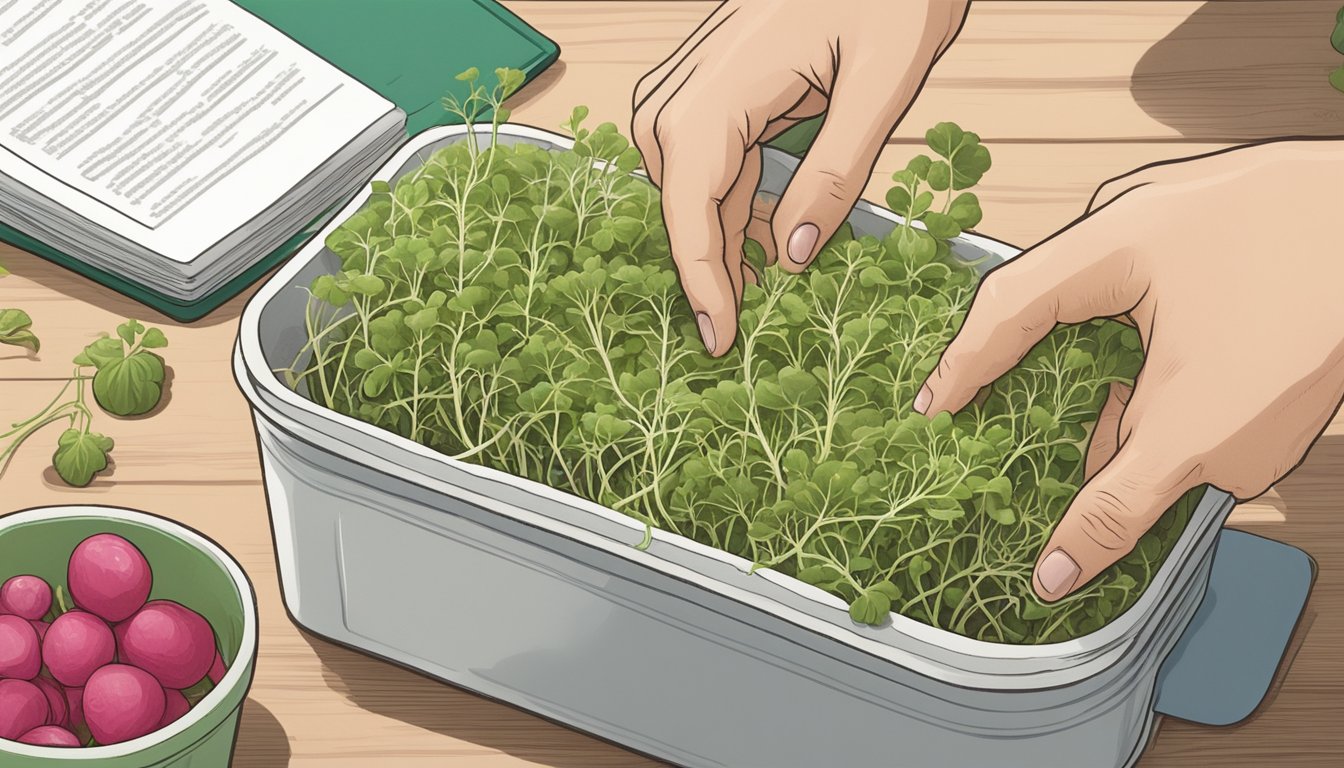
<point>832,183</point>
<point>957,357</point>
<point>1245,491</point>
<point>708,295</point>
<point>947,363</point>
<point>1248,482</point>
<point>1104,194</point>
<point>675,112</point>
<point>1005,296</point>
<point>1130,188</point>
<point>994,287</point>
<point>1162,461</point>
<point>1109,522</point>
<point>642,122</point>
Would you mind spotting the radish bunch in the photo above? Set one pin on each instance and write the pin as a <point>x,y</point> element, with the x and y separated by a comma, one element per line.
<point>113,667</point>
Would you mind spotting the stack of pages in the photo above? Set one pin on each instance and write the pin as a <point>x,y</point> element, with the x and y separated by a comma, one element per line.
<point>174,142</point>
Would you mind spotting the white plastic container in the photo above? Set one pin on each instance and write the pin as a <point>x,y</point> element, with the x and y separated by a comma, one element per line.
<point>541,599</point>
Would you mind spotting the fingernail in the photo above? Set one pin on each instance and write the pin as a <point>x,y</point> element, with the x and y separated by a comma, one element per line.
<point>706,330</point>
<point>1057,573</point>
<point>801,243</point>
<point>923,399</point>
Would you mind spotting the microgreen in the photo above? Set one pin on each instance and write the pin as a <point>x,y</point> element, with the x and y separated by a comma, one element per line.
<point>126,379</point>
<point>16,330</point>
<point>16,327</point>
<point>518,308</point>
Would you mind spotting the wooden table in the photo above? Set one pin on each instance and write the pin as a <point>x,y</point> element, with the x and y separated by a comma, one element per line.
<point>1066,94</point>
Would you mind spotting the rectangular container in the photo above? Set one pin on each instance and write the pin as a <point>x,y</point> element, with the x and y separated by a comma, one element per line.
<point>536,597</point>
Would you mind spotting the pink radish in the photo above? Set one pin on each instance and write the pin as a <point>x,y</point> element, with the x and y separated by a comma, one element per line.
<point>22,708</point>
<point>55,700</point>
<point>122,702</point>
<point>25,596</point>
<point>76,644</point>
<point>175,706</point>
<point>20,650</point>
<point>169,641</point>
<point>109,577</point>
<point>50,736</point>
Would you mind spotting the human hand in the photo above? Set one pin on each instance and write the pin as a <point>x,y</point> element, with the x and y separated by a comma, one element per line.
<point>753,69</point>
<point>1217,262</point>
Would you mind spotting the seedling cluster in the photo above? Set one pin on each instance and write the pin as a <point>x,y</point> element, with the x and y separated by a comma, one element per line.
<point>518,308</point>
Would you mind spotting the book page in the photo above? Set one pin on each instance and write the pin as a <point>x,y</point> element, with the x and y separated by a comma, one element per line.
<point>170,122</point>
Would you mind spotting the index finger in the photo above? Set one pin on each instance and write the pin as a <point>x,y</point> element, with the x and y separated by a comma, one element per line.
<point>1080,273</point>
<point>701,166</point>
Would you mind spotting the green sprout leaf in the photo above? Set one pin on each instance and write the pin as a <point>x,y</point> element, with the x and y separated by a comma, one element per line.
<point>965,210</point>
<point>899,199</point>
<point>1040,418</point>
<point>153,339</point>
<point>130,386</point>
<point>16,330</point>
<point>872,607</point>
<point>80,455</point>
<point>129,330</point>
<point>510,80</point>
<point>941,225</point>
<point>127,380</point>
<point>969,165</point>
<point>919,166</point>
<point>945,139</point>
<point>102,352</point>
<point>1032,610</point>
<point>939,176</point>
<point>889,589</point>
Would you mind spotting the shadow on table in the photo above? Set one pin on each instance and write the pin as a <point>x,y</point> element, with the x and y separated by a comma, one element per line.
<point>1243,71</point>
<point>262,741</point>
<point>424,702</point>
<point>1310,498</point>
<point>63,281</point>
<point>539,87</point>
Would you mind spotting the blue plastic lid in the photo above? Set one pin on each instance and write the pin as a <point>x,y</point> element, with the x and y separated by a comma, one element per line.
<point>1222,667</point>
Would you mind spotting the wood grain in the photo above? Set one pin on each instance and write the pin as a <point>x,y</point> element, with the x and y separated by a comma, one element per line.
<point>1067,94</point>
<point>1036,71</point>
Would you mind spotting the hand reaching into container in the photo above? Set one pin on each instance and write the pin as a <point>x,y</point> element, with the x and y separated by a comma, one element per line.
<point>753,69</point>
<point>1214,261</point>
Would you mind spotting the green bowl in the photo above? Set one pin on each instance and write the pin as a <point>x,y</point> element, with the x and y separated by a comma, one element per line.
<point>188,568</point>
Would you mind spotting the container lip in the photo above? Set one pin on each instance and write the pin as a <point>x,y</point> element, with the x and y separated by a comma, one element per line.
<point>1046,665</point>
<point>233,679</point>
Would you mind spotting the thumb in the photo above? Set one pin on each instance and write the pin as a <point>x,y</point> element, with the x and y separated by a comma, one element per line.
<point>1109,516</point>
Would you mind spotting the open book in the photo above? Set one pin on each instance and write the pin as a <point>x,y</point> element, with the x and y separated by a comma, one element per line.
<point>174,142</point>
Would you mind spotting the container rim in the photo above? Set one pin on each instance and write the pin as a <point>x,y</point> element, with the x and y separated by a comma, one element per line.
<point>1040,666</point>
<point>237,674</point>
